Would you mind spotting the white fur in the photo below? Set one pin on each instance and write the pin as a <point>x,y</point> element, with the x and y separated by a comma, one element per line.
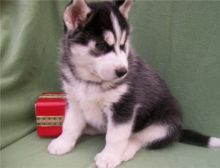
<point>93,100</point>
<point>133,146</point>
<point>68,74</point>
<point>116,142</point>
<point>97,69</point>
<point>73,126</point>
<point>94,103</point>
<point>102,68</point>
<point>108,64</point>
<point>86,104</point>
<point>109,37</point>
<point>143,138</point>
<point>123,38</point>
<point>120,37</point>
<point>152,133</point>
<point>214,142</point>
<point>90,104</point>
<point>136,107</point>
<point>85,63</point>
<point>116,28</point>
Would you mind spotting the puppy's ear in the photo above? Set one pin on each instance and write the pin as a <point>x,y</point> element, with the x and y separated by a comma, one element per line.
<point>124,6</point>
<point>75,14</point>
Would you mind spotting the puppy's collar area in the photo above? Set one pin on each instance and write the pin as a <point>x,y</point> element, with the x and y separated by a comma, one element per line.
<point>104,85</point>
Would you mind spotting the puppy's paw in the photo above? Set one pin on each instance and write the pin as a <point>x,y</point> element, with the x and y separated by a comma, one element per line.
<point>59,146</point>
<point>128,155</point>
<point>107,160</point>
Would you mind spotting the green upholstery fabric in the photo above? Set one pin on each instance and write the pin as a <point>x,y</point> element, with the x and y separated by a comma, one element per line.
<point>30,152</point>
<point>179,39</point>
<point>28,62</point>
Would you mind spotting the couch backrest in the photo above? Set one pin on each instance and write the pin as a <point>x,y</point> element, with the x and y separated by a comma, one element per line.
<point>181,40</point>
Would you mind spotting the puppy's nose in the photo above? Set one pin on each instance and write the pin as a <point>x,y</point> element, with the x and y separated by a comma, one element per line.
<point>121,72</point>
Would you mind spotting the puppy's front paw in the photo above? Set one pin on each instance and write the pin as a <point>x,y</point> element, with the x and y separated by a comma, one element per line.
<point>59,146</point>
<point>127,155</point>
<point>107,160</point>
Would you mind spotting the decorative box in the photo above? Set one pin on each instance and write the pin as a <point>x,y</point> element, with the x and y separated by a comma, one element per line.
<point>49,112</point>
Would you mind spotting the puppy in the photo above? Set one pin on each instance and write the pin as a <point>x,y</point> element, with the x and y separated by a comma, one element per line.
<point>111,91</point>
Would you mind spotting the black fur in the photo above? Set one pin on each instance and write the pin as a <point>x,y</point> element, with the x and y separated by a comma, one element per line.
<point>64,77</point>
<point>155,103</point>
<point>194,138</point>
<point>123,110</point>
<point>98,21</point>
<point>94,26</point>
<point>118,3</point>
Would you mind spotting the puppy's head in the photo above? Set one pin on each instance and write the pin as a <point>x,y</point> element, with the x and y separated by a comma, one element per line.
<point>98,39</point>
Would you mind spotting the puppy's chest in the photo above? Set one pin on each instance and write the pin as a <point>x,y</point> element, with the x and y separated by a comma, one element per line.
<point>93,107</point>
<point>96,103</point>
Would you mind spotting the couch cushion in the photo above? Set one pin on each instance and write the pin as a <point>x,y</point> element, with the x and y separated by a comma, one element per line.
<point>179,39</point>
<point>30,151</point>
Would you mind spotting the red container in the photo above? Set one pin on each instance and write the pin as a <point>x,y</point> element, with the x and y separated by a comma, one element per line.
<point>49,112</point>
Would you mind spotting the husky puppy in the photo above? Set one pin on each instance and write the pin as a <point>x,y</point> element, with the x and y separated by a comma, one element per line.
<point>111,91</point>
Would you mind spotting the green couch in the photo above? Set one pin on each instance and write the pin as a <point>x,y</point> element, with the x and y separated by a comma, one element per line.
<point>181,40</point>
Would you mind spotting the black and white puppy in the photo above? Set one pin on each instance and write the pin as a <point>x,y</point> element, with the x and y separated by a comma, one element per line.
<point>110,90</point>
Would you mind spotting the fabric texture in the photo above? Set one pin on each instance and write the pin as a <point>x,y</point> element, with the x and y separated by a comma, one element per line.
<point>29,34</point>
<point>179,39</point>
<point>30,152</point>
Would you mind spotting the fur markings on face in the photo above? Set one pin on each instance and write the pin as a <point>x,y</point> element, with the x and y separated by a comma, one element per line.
<point>101,54</point>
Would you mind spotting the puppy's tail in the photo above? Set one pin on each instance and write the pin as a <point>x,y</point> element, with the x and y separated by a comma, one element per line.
<point>198,139</point>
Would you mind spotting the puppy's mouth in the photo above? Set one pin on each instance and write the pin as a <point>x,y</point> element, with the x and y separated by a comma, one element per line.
<point>95,74</point>
<point>96,79</point>
<point>102,81</point>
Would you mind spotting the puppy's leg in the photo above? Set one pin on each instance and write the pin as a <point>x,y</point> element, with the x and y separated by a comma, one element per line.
<point>73,126</point>
<point>134,145</point>
<point>154,136</point>
<point>116,141</point>
<point>157,136</point>
<point>91,131</point>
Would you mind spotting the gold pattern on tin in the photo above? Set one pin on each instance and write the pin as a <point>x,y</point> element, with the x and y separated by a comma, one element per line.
<point>52,96</point>
<point>49,120</point>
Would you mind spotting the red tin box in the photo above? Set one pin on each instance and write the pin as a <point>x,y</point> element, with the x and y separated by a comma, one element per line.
<point>49,112</point>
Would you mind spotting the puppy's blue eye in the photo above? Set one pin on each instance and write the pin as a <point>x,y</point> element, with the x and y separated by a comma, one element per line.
<point>102,46</point>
